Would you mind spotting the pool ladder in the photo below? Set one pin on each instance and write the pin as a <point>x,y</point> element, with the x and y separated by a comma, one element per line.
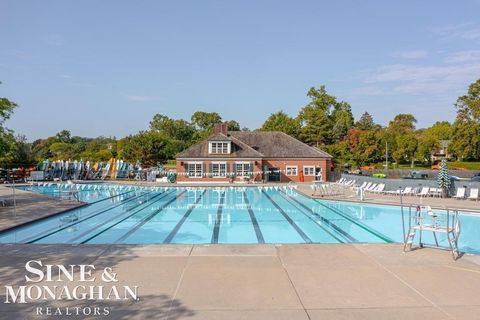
<point>424,219</point>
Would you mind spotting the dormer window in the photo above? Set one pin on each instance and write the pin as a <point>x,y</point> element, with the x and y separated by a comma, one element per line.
<point>219,147</point>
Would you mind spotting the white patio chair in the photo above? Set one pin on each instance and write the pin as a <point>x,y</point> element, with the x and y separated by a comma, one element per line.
<point>407,191</point>
<point>380,188</point>
<point>423,192</point>
<point>460,193</point>
<point>473,194</point>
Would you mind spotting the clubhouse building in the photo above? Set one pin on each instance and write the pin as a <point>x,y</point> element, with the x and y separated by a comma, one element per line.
<point>238,156</point>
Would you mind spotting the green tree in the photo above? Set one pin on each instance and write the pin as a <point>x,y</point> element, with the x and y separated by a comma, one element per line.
<point>205,121</point>
<point>233,125</point>
<point>6,110</point>
<point>365,122</point>
<point>466,129</point>
<point>363,146</point>
<point>401,138</point>
<point>468,106</point>
<point>315,117</point>
<point>280,121</point>
<point>172,128</point>
<point>342,119</point>
<point>146,146</point>
<point>430,138</point>
<point>64,136</point>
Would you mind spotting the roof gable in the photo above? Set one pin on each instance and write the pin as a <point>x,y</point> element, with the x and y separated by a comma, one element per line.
<point>274,144</point>
<point>256,144</point>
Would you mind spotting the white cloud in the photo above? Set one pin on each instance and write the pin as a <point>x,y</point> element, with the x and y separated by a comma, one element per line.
<point>466,31</point>
<point>463,56</point>
<point>54,40</point>
<point>425,79</point>
<point>138,98</point>
<point>410,55</point>
<point>472,34</point>
<point>367,91</point>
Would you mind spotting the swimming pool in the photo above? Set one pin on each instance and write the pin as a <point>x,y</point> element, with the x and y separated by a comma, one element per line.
<point>200,215</point>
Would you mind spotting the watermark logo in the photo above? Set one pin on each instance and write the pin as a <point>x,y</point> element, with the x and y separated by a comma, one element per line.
<point>46,282</point>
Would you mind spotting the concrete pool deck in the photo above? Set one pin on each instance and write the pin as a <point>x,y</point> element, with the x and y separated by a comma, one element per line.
<point>265,281</point>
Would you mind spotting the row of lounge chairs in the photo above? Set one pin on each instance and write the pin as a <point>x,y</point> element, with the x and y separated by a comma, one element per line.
<point>462,194</point>
<point>371,187</point>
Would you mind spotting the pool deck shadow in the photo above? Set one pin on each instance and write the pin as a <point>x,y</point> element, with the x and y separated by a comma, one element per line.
<point>29,207</point>
<point>305,281</point>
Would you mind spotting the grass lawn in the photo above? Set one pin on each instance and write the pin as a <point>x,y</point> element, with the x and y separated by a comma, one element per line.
<point>170,165</point>
<point>466,165</point>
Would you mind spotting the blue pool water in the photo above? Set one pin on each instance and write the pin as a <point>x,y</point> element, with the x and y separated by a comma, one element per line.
<point>137,215</point>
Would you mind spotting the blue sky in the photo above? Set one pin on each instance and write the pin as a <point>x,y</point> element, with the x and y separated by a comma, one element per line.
<point>105,67</point>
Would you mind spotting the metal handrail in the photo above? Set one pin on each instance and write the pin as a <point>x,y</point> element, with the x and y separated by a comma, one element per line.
<point>14,196</point>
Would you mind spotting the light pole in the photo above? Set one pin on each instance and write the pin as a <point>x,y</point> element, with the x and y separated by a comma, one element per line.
<point>386,155</point>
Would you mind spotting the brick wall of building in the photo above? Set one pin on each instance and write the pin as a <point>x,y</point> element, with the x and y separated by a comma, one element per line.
<point>258,165</point>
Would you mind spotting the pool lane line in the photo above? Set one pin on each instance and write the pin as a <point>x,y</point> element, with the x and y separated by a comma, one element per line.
<point>292,223</point>
<point>172,234</point>
<point>361,225</point>
<point>51,231</point>
<point>137,208</point>
<point>328,222</point>
<point>256,227</point>
<point>216,228</point>
<point>130,215</point>
<point>93,202</point>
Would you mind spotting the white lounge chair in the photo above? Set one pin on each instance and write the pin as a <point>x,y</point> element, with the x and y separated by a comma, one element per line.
<point>407,191</point>
<point>435,192</point>
<point>372,187</point>
<point>423,192</point>
<point>363,185</point>
<point>380,188</point>
<point>350,183</point>
<point>473,194</point>
<point>460,193</point>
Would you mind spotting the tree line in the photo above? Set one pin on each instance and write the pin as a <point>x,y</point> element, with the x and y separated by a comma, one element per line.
<point>325,122</point>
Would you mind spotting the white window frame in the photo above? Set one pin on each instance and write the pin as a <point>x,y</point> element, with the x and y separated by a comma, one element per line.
<point>244,173</point>
<point>219,147</point>
<point>289,168</point>
<point>310,168</point>
<point>196,173</point>
<point>219,175</point>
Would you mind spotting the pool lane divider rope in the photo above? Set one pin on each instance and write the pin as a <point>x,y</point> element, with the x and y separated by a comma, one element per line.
<point>218,220</point>
<point>49,232</point>
<point>172,234</point>
<point>256,227</point>
<point>328,222</point>
<point>138,225</point>
<point>286,216</point>
<point>137,208</point>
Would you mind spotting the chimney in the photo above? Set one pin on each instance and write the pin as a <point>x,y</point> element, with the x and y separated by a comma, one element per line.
<point>221,128</point>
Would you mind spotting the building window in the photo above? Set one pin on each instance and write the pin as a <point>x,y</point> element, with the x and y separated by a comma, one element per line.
<point>242,169</point>
<point>195,169</point>
<point>291,170</point>
<point>219,169</point>
<point>219,147</point>
<point>308,170</point>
